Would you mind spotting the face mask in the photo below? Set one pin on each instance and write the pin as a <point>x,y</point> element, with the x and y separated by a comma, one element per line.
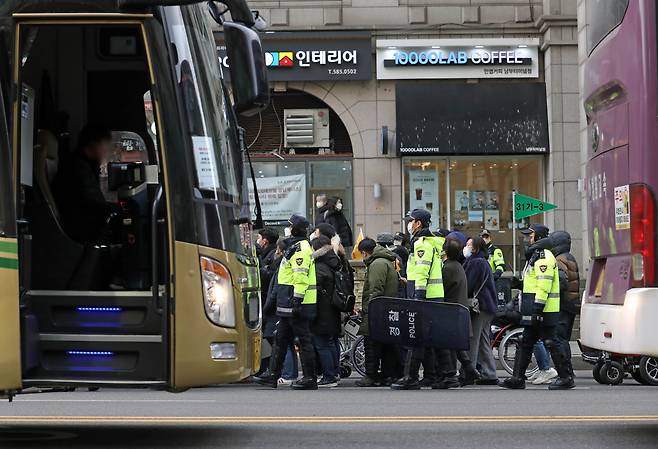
<point>397,243</point>
<point>319,204</point>
<point>410,227</point>
<point>339,206</point>
<point>467,251</point>
<point>287,232</point>
<point>312,237</point>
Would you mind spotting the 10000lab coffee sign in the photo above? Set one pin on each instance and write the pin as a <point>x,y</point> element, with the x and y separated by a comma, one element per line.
<point>457,58</point>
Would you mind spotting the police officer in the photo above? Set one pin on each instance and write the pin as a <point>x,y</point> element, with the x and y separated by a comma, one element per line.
<point>540,310</point>
<point>296,298</point>
<point>496,258</point>
<point>424,282</point>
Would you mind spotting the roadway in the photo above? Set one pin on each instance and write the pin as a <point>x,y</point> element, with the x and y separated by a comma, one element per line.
<point>247,416</point>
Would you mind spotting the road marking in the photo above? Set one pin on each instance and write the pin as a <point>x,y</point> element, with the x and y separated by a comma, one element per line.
<point>19,399</point>
<point>320,419</point>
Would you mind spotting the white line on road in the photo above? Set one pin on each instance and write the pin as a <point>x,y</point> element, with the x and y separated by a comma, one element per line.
<point>17,400</point>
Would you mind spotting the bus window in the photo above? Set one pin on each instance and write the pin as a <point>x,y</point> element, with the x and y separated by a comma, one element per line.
<point>603,16</point>
<point>218,177</point>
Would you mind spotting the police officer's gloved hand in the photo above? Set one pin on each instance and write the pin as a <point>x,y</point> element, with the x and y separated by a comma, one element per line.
<point>497,274</point>
<point>419,294</point>
<point>296,307</point>
<point>538,311</point>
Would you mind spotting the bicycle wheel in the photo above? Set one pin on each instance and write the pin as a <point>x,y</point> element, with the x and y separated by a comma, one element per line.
<point>507,350</point>
<point>358,354</point>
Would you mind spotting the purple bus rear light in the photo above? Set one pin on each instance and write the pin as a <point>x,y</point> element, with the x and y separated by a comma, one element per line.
<point>643,235</point>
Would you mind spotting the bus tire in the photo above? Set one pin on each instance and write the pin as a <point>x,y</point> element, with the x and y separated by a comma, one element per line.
<point>612,373</point>
<point>648,370</point>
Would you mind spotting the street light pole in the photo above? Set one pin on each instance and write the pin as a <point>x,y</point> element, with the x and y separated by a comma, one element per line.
<point>514,231</point>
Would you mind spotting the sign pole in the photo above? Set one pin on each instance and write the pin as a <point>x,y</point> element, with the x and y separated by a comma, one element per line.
<point>514,231</point>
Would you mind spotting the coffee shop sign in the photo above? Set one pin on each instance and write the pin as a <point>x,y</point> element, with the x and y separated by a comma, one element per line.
<point>438,57</point>
<point>457,58</point>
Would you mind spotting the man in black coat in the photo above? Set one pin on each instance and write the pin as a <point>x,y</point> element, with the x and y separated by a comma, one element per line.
<point>455,288</point>
<point>265,249</point>
<point>327,325</point>
<point>77,191</point>
<point>569,288</point>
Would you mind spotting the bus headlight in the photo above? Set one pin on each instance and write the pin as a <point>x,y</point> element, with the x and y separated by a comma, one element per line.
<point>217,292</point>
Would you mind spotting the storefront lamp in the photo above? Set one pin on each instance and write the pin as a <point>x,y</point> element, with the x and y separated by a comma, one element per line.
<point>376,190</point>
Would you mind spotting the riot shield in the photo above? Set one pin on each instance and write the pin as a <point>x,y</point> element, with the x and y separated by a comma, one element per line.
<point>408,322</point>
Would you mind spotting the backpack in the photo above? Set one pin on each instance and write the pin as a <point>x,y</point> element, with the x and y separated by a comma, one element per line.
<point>343,298</point>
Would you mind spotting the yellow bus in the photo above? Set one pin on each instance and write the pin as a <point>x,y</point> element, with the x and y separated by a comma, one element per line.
<point>168,298</point>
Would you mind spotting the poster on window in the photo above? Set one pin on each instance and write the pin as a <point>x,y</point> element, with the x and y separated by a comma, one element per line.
<point>476,206</point>
<point>424,193</point>
<point>462,200</point>
<point>280,196</point>
<point>491,200</point>
<point>492,220</point>
<point>204,159</point>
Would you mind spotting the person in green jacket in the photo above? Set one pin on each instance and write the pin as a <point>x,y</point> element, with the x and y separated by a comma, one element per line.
<point>381,280</point>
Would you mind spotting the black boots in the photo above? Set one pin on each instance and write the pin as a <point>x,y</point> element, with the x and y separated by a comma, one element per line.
<point>267,379</point>
<point>446,383</point>
<point>406,383</point>
<point>513,383</point>
<point>562,383</point>
<point>305,383</point>
<point>521,362</point>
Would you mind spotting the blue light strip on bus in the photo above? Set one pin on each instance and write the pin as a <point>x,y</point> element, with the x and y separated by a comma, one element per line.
<point>98,309</point>
<point>90,353</point>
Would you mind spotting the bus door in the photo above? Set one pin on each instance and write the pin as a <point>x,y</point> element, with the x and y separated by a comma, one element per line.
<point>10,357</point>
<point>90,194</point>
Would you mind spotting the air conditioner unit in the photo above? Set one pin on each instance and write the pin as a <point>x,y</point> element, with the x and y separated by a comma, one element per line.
<point>306,128</point>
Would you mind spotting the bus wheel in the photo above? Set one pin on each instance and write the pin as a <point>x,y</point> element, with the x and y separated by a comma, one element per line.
<point>649,370</point>
<point>612,373</point>
<point>596,372</point>
<point>635,374</point>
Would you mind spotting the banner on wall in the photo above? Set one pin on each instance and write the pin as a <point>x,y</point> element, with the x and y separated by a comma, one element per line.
<point>424,192</point>
<point>280,196</point>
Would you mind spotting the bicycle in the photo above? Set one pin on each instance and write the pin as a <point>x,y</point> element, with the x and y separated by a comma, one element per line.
<point>505,343</point>
<point>352,349</point>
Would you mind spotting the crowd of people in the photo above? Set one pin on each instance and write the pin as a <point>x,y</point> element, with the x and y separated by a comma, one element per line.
<point>308,285</point>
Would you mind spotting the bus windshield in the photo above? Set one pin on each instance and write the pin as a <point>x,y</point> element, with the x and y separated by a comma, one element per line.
<point>603,16</point>
<point>217,158</point>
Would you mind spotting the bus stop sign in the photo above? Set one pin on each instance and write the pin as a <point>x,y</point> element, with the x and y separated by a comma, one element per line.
<point>407,322</point>
<point>525,206</point>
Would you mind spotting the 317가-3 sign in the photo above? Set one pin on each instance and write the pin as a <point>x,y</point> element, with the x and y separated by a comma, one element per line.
<point>525,206</point>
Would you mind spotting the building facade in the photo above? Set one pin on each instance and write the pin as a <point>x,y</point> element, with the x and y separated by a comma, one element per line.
<point>464,102</point>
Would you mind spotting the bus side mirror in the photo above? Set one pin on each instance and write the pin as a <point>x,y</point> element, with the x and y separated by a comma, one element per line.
<point>251,93</point>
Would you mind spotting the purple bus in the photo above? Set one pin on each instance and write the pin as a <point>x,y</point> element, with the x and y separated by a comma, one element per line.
<point>620,303</point>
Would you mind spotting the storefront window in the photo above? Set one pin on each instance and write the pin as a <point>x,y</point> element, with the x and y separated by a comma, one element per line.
<point>333,178</point>
<point>291,187</point>
<point>425,188</point>
<point>474,194</point>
